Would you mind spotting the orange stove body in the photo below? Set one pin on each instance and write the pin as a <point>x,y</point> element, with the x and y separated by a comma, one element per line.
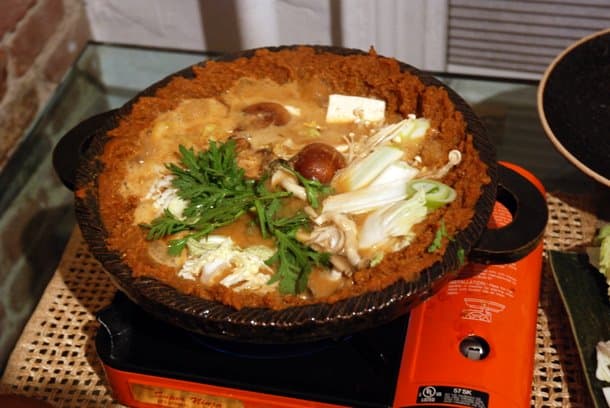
<point>147,391</point>
<point>492,315</point>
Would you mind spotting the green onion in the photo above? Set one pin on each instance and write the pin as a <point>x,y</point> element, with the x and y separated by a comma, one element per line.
<point>437,193</point>
<point>362,172</point>
<point>398,172</point>
<point>365,199</point>
<point>394,220</point>
<point>412,128</point>
<point>438,238</point>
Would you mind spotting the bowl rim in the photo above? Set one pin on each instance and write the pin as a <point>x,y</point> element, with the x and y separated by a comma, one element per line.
<point>542,115</point>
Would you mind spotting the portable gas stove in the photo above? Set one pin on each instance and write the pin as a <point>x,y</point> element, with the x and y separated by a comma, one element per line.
<point>470,345</point>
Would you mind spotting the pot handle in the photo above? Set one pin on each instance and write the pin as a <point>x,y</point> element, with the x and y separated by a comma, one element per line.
<point>73,145</point>
<point>527,204</point>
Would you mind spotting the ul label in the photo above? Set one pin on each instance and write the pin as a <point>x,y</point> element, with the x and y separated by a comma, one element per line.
<point>452,395</point>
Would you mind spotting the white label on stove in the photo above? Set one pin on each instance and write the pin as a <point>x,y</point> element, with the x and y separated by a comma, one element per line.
<point>437,394</point>
<point>176,398</point>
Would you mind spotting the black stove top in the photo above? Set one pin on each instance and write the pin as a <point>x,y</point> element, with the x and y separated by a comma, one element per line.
<point>360,370</point>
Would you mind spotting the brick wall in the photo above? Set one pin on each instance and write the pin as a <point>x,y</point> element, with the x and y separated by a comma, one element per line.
<point>39,39</point>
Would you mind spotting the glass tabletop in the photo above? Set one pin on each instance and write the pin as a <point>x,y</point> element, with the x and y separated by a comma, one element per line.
<point>105,76</point>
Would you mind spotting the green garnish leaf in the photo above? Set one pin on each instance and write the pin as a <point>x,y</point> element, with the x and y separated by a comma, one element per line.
<point>294,260</point>
<point>437,243</point>
<point>441,232</point>
<point>437,193</point>
<point>377,258</point>
<point>218,193</point>
<point>314,190</point>
<point>461,256</point>
<point>167,224</point>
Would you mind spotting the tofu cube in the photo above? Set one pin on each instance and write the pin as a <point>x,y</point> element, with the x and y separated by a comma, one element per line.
<point>346,109</point>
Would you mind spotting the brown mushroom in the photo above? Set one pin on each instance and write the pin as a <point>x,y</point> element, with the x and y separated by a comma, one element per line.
<point>318,161</point>
<point>263,114</point>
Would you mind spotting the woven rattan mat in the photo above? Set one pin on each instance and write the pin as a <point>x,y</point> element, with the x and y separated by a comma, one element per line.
<point>55,358</point>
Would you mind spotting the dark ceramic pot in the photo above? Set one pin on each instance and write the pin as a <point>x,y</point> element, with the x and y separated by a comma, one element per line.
<point>317,321</point>
<point>574,105</point>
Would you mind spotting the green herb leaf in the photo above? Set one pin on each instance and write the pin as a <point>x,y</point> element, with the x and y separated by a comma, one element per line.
<point>438,238</point>
<point>377,258</point>
<point>314,190</point>
<point>167,224</point>
<point>461,256</point>
<point>218,193</point>
<point>294,263</point>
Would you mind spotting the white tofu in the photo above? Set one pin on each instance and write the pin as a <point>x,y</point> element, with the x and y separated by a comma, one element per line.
<point>345,109</point>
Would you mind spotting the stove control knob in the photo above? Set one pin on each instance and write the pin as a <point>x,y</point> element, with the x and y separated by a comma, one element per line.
<point>474,348</point>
